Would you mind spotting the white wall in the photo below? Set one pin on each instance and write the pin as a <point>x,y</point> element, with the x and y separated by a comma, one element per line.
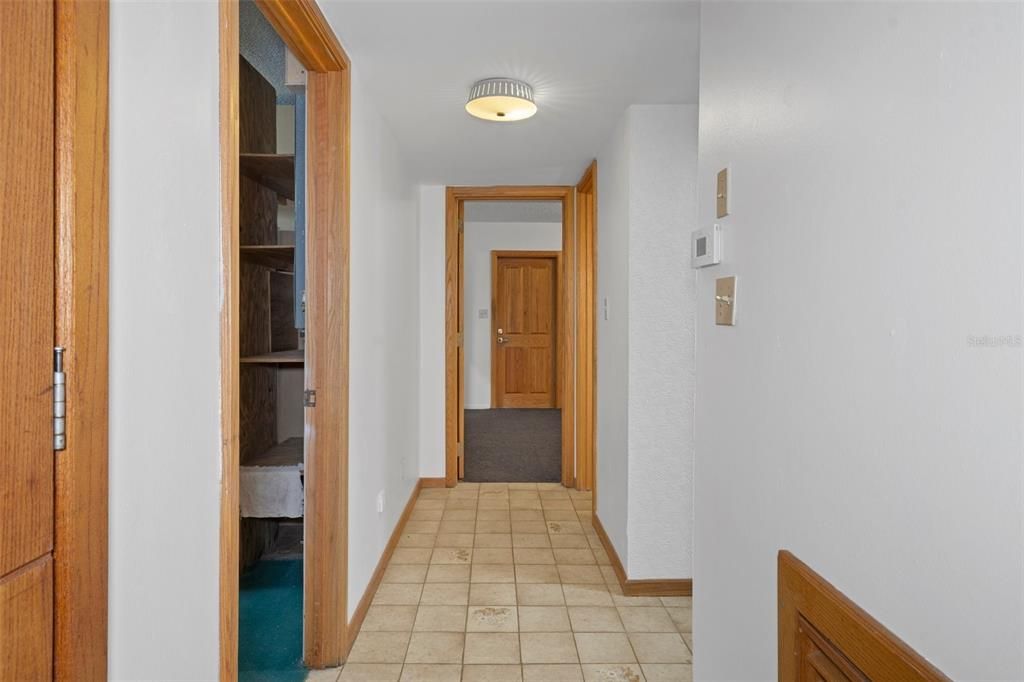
<point>384,351</point>
<point>876,156</point>
<point>164,341</point>
<point>431,329</point>
<point>647,209</point>
<point>479,240</point>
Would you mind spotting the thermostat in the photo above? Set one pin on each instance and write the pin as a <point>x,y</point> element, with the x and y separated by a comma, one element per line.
<point>706,247</point>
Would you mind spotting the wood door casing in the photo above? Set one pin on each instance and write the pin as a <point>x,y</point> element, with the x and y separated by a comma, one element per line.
<point>26,367</point>
<point>524,329</point>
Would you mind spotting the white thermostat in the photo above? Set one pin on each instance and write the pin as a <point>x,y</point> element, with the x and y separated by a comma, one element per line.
<point>706,247</point>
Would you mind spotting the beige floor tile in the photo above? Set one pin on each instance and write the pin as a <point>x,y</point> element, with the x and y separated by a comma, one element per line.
<point>451,594</point>
<point>371,672</point>
<point>427,515</point>
<point>405,573</point>
<point>552,673</point>
<point>459,515</point>
<point>682,618</point>
<point>529,526</point>
<point>492,673</point>
<point>646,619</point>
<point>574,557</point>
<point>428,503</point>
<point>622,600</point>
<point>460,503</point>
<point>542,487</point>
<point>565,503</point>
<point>492,555</point>
<point>609,575</point>
<point>537,573</point>
<point>379,647</point>
<point>397,594</point>
<point>532,505</point>
<point>570,541</point>
<point>492,619</point>
<point>531,540</point>
<point>468,526</point>
<point>492,594</point>
<point>579,574</point>
<point>416,540</point>
<point>431,672</point>
<point>489,540</point>
<point>387,618</point>
<point>560,515</point>
<point>461,540</point>
<point>540,594</point>
<point>668,672</point>
<point>493,515</point>
<point>493,526</point>
<point>595,619</point>
<point>604,647</point>
<point>548,647</point>
<point>440,619</point>
<point>411,555</point>
<point>493,573</point>
<point>679,602</point>
<point>688,638</point>
<point>491,647</point>
<point>564,527</point>
<point>613,672</point>
<point>325,675</point>
<point>587,595</point>
<point>429,527</point>
<point>544,619</point>
<point>451,555</point>
<point>522,486</point>
<point>448,573</point>
<point>533,555</point>
<point>659,648</point>
<point>527,515</point>
<point>493,503</point>
<point>436,647</point>
<point>601,557</point>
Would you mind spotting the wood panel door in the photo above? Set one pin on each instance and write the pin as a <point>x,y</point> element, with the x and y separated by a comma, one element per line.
<point>26,339</point>
<point>524,367</point>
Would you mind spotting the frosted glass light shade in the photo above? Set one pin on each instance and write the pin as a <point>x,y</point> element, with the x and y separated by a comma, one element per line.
<point>501,99</point>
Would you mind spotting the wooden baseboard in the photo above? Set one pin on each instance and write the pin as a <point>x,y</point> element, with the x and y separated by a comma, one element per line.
<point>668,587</point>
<point>433,482</point>
<point>371,589</point>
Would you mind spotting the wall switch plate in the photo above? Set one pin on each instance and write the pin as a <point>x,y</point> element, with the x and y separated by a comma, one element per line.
<point>722,193</point>
<point>606,308</point>
<point>483,313</point>
<point>725,301</point>
<point>380,502</point>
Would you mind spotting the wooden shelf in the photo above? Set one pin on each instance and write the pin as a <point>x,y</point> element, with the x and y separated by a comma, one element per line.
<point>277,257</point>
<point>276,171</point>
<point>288,453</point>
<point>282,357</point>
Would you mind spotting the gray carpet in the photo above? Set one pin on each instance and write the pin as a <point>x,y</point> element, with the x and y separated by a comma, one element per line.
<point>513,445</point>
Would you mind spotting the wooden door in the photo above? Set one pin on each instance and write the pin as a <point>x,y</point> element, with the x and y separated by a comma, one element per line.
<point>26,340</point>
<point>524,370</point>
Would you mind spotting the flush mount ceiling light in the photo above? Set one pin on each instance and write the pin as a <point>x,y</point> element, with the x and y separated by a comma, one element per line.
<point>501,99</point>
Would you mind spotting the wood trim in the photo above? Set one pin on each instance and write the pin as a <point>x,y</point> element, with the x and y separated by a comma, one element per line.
<point>868,644</point>
<point>308,35</point>
<point>305,31</point>
<point>586,330</point>
<point>325,591</point>
<point>659,587</point>
<point>81,502</point>
<point>559,282</point>
<point>229,340</point>
<point>454,199</point>
<point>378,573</point>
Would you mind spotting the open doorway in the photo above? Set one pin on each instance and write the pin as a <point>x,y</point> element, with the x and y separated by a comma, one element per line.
<point>512,307</point>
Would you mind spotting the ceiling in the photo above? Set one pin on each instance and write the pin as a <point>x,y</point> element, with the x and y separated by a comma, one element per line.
<point>513,212</point>
<point>586,59</point>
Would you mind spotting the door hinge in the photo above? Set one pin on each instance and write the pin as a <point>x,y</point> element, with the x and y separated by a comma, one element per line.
<point>309,398</point>
<point>59,404</point>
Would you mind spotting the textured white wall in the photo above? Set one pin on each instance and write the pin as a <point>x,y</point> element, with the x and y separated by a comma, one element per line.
<point>164,341</point>
<point>480,239</point>
<point>663,212</point>
<point>384,350</point>
<point>431,330</point>
<point>875,227</point>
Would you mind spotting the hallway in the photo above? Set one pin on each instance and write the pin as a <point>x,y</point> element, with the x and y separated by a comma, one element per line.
<point>493,582</point>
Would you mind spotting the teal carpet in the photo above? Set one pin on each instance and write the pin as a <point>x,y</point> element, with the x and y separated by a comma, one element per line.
<point>270,623</point>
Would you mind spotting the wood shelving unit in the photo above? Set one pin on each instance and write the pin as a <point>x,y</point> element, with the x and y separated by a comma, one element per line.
<point>275,256</point>
<point>276,171</point>
<point>288,453</point>
<point>281,357</point>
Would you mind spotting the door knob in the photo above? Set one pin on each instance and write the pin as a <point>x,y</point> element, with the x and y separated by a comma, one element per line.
<point>501,339</point>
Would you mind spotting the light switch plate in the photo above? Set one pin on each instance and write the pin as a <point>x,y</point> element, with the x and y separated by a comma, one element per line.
<point>483,313</point>
<point>725,301</point>
<point>722,193</point>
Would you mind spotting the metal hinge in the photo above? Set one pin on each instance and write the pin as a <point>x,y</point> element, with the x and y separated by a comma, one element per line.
<point>59,405</point>
<point>309,398</point>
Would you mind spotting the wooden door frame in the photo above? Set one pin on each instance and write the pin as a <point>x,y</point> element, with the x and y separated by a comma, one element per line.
<point>572,270</point>
<point>325,584</point>
<point>559,283</point>
<point>81,325</point>
<point>586,335</point>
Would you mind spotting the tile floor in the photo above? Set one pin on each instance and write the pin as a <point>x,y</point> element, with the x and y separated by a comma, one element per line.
<point>495,582</point>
